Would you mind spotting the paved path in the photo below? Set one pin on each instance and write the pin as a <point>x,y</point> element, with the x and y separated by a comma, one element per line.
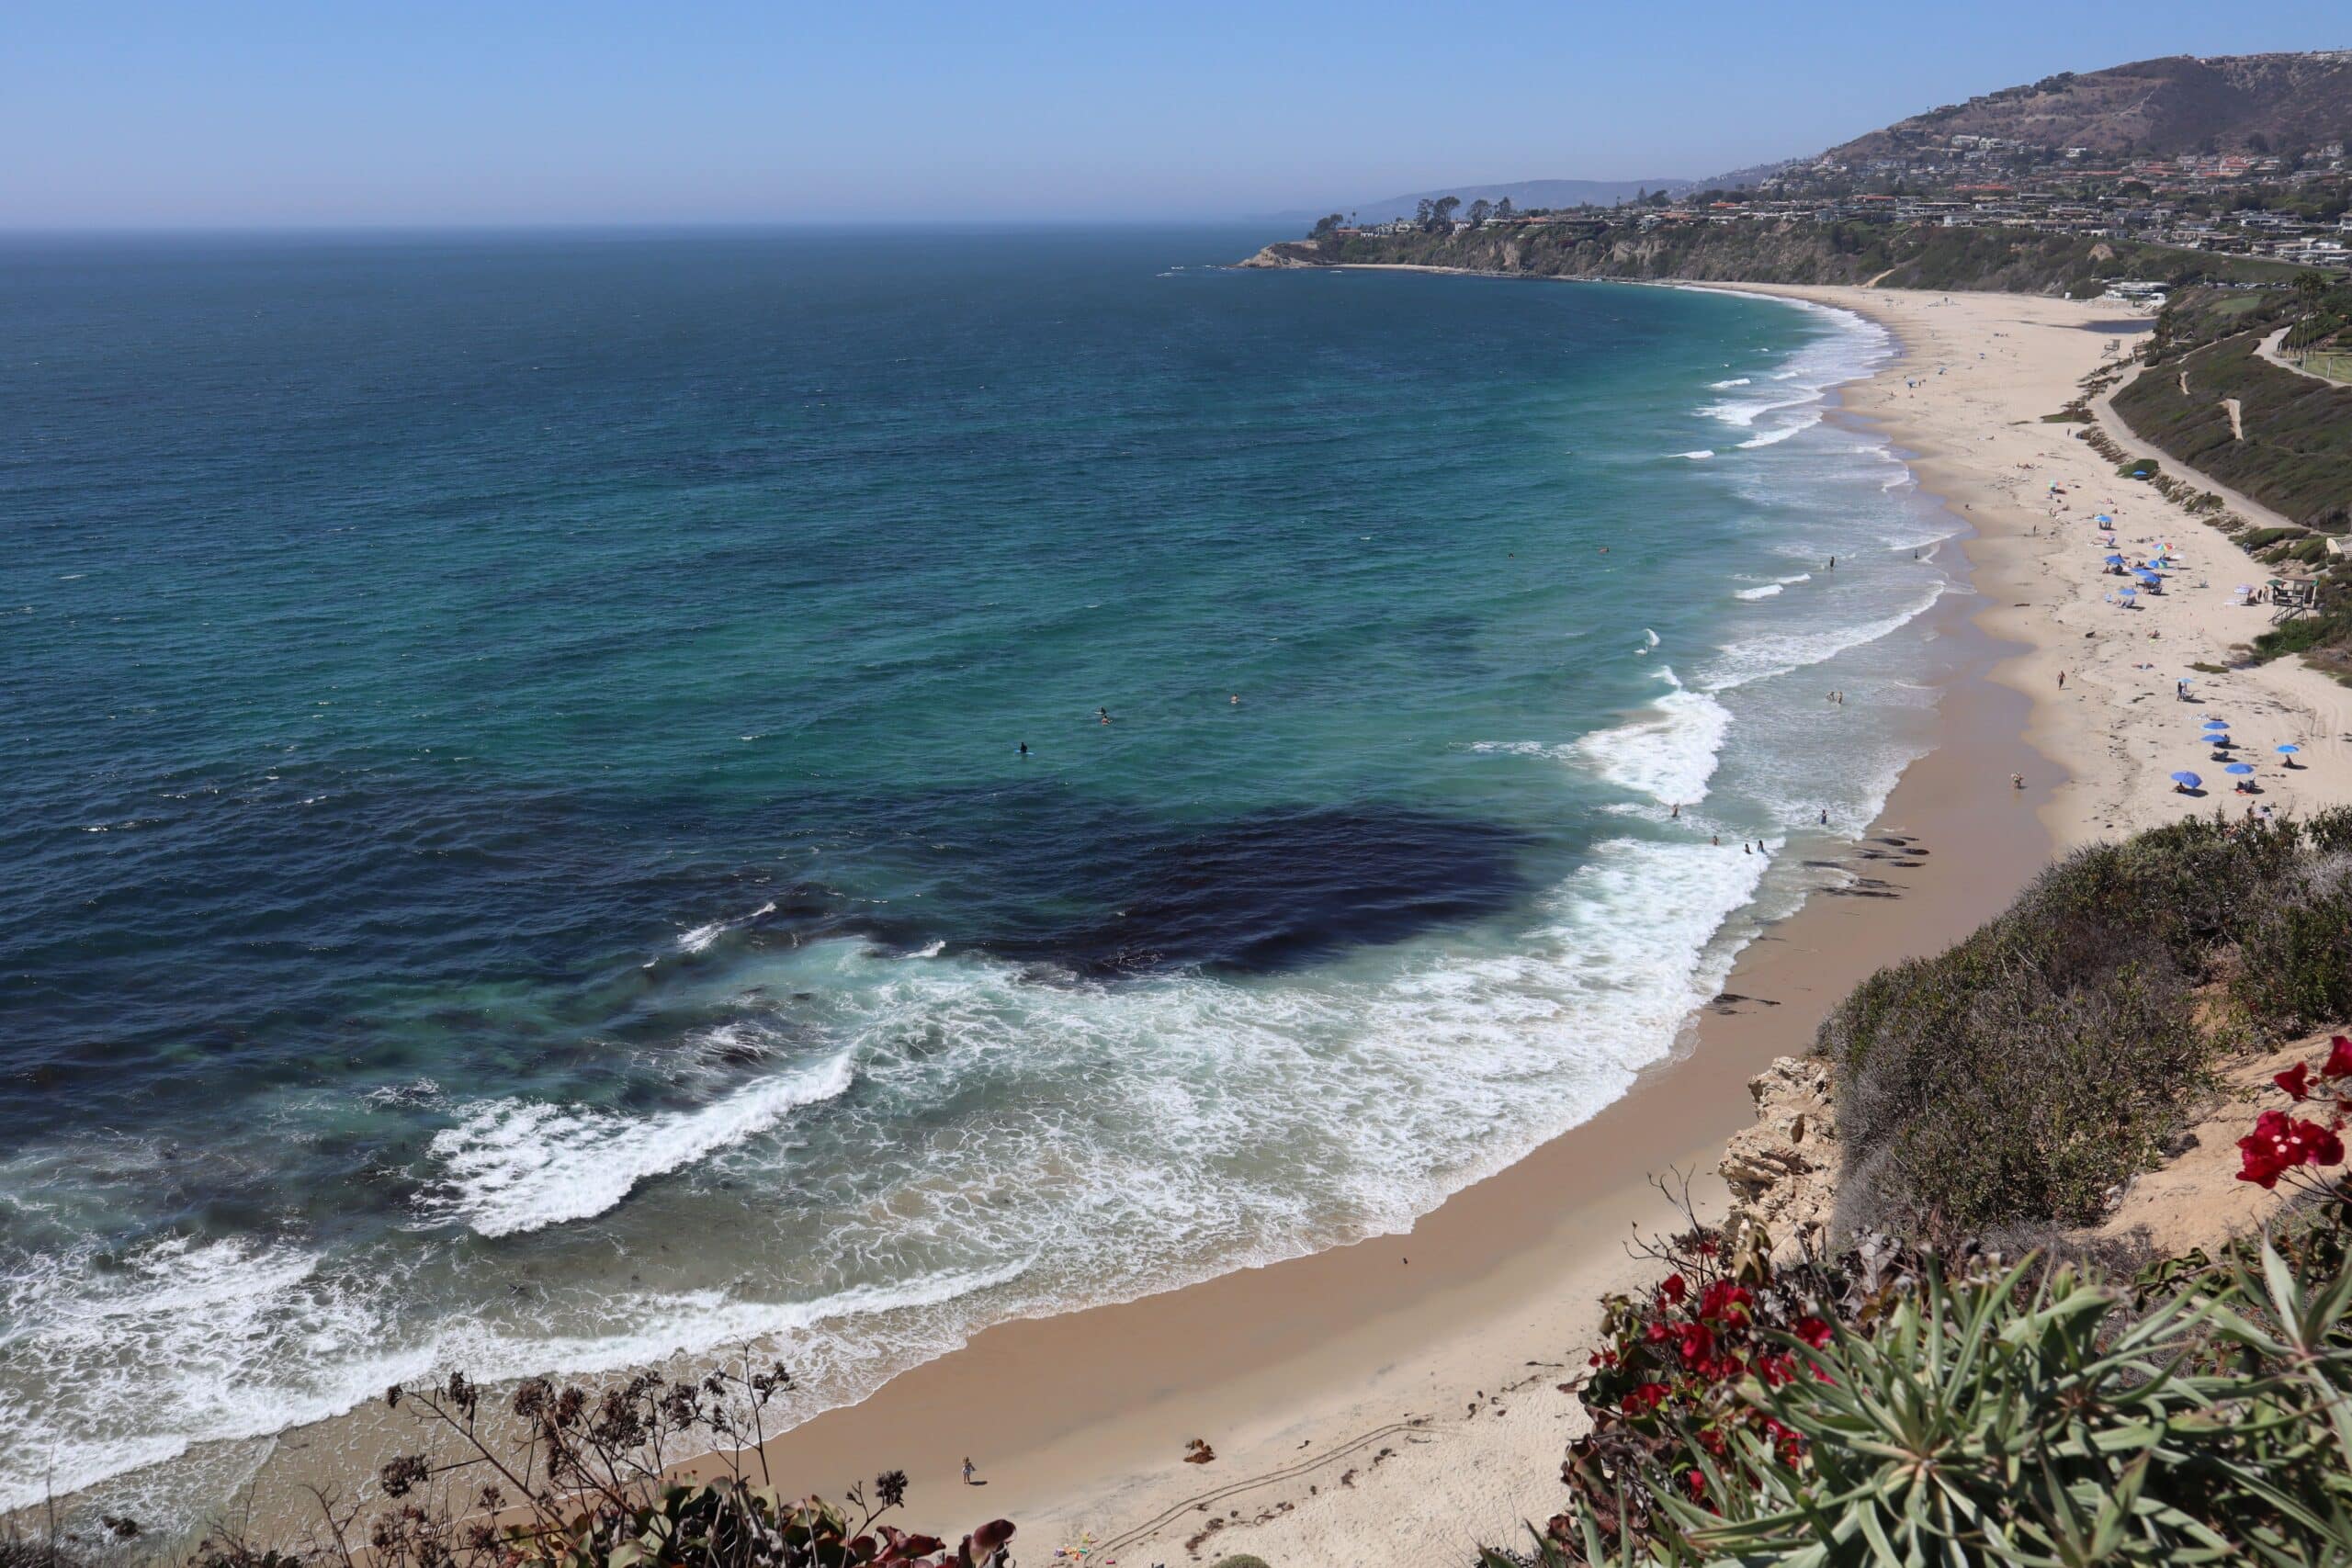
<point>2268,349</point>
<point>2102,408</point>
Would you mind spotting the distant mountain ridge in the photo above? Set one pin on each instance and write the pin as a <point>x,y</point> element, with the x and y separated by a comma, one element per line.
<point>2152,108</point>
<point>1522,193</point>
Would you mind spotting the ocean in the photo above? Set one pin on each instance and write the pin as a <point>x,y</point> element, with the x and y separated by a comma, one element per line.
<point>522,854</point>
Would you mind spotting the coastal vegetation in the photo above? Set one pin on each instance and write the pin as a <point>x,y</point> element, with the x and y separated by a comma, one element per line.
<point>2021,1074</point>
<point>544,1476</point>
<point>1927,1390</point>
<point>1611,245</point>
<point>2290,447</point>
<point>1899,1405</point>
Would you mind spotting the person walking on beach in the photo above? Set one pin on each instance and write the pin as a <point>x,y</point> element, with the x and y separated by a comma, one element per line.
<point>2061,680</point>
<point>1824,817</point>
<point>969,1473</point>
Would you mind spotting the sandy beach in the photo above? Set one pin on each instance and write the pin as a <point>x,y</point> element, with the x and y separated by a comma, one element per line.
<point>1396,1401</point>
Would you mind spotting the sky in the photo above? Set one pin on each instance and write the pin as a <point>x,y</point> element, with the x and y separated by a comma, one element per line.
<point>337,113</point>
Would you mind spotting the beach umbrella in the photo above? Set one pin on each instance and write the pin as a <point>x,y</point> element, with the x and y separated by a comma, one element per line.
<point>2214,723</point>
<point>2102,517</point>
<point>2145,575</point>
<point>2239,768</point>
<point>2185,777</point>
<point>2287,750</point>
<point>2115,560</point>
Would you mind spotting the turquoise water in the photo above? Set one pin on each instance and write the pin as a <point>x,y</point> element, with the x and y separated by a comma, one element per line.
<point>522,854</point>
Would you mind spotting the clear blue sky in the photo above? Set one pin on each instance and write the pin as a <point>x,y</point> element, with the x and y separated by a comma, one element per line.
<point>354,111</point>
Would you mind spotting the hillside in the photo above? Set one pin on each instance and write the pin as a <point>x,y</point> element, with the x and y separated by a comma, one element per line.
<point>2008,260</point>
<point>1526,195</point>
<point>2258,103</point>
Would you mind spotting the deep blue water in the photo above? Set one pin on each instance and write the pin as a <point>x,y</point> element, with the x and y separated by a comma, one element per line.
<point>513,771</point>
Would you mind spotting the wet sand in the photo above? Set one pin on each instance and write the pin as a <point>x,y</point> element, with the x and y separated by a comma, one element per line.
<point>1395,1402</point>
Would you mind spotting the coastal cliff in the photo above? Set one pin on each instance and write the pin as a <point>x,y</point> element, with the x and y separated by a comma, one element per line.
<point>1917,256</point>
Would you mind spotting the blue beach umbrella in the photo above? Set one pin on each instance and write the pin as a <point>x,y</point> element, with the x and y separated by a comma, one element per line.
<point>2102,517</point>
<point>2115,560</point>
<point>2239,768</point>
<point>2287,750</point>
<point>2189,779</point>
<point>2145,575</point>
<point>2217,721</point>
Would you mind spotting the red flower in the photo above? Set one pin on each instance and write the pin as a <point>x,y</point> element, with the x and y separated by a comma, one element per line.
<point>2339,1059</point>
<point>1725,1301</point>
<point>1672,1289</point>
<point>1644,1398</point>
<point>1696,1346</point>
<point>2296,1081</point>
<point>1698,1484</point>
<point>2279,1142</point>
<point>1814,1332</point>
<point>1776,1369</point>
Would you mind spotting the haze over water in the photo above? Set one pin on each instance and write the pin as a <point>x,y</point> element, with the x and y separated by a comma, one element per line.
<point>520,853</point>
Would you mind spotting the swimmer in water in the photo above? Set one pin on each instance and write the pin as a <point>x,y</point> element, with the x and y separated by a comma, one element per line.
<point>1025,748</point>
<point>1103,714</point>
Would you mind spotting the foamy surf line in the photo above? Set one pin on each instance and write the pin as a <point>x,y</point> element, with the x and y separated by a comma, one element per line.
<point>1586,972</point>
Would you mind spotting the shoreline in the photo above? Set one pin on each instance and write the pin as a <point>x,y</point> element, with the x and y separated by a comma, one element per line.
<point>1330,1382</point>
<point>1397,1355</point>
<point>1419,1370</point>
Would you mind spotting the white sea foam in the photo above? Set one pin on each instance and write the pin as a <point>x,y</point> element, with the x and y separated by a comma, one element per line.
<point>1727,386</point>
<point>184,1342</point>
<point>1667,751</point>
<point>1780,433</point>
<point>514,1165</point>
<point>1699,455</point>
<point>1781,652</point>
<point>1134,1135</point>
<point>701,936</point>
<point>1776,586</point>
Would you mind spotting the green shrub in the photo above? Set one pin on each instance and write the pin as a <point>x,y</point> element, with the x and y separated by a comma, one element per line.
<point>2025,1072</point>
<point>2032,1415</point>
<point>2297,974</point>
